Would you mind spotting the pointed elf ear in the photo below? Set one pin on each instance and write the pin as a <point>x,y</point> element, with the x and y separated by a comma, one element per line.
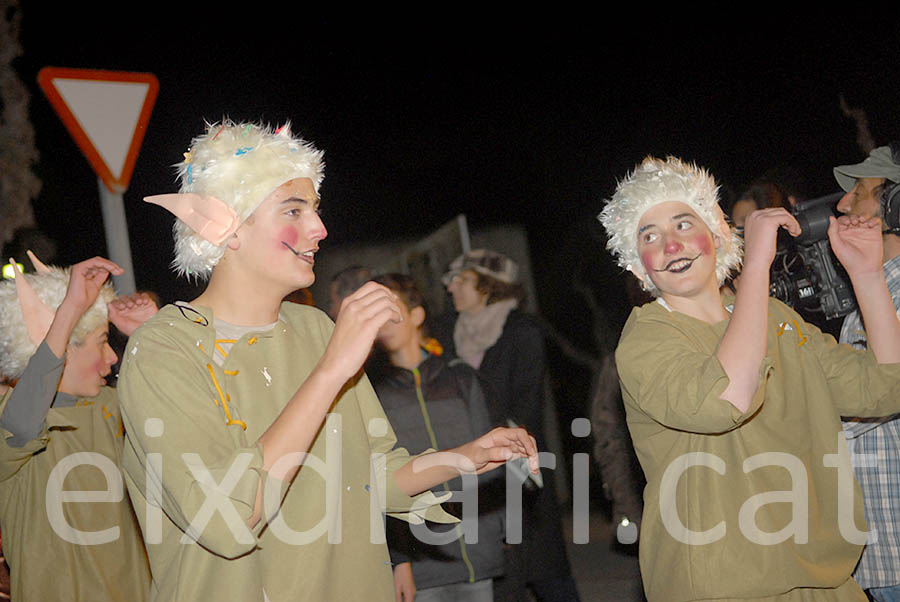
<point>208,216</point>
<point>35,313</point>
<point>39,266</point>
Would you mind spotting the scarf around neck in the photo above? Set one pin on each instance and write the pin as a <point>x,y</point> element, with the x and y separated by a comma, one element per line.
<point>475,333</point>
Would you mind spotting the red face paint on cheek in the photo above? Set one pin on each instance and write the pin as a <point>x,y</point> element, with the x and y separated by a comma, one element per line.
<point>647,261</point>
<point>703,244</point>
<point>288,236</point>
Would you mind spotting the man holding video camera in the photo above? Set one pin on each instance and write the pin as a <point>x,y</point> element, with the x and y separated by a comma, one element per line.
<point>872,189</point>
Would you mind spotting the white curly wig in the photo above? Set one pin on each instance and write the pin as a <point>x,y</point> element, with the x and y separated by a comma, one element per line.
<point>656,181</point>
<point>16,347</point>
<point>239,164</point>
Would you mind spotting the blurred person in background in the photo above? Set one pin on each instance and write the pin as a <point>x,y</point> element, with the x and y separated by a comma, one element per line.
<point>343,284</point>
<point>439,404</point>
<point>506,347</point>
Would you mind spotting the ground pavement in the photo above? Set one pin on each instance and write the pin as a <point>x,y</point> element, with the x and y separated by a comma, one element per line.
<point>603,571</point>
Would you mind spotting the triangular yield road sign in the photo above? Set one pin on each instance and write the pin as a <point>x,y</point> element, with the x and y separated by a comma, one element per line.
<point>106,112</point>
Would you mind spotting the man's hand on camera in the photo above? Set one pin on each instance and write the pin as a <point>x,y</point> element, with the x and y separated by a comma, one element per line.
<point>857,243</point>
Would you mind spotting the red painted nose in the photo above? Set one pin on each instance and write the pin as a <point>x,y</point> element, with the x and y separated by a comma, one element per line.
<point>673,246</point>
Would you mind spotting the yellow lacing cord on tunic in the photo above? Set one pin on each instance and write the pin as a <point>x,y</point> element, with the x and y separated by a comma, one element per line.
<point>224,399</point>
<point>219,347</point>
<point>251,340</point>
<point>803,339</point>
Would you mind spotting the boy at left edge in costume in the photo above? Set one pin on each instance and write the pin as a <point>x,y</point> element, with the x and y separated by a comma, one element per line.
<point>61,438</point>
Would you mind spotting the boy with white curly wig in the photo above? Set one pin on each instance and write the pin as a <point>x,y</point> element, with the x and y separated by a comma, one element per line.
<point>734,404</point>
<point>250,431</point>
<point>60,422</point>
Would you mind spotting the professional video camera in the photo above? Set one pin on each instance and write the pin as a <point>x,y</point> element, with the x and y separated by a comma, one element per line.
<point>805,273</point>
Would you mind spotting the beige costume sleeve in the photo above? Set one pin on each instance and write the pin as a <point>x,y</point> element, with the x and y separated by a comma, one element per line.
<point>676,382</point>
<point>859,385</point>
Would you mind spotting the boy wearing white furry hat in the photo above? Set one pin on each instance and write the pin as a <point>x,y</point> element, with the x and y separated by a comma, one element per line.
<point>60,425</point>
<point>734,404</point>
<point>258,459</point>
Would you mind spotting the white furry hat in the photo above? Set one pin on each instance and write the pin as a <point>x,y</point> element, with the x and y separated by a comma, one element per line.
<point>239,164</point>
<point>656,181</point>
<point>16,346</point>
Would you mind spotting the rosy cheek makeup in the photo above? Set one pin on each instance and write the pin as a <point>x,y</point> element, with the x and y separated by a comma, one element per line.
<point>289,237</point>
<point>703,244</point>
<point>647,261</point>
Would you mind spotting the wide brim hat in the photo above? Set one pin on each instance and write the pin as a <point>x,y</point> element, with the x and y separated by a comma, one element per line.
<point>879,164</point>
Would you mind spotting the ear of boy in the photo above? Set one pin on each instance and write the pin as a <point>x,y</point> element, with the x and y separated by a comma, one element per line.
<point>417,315</point>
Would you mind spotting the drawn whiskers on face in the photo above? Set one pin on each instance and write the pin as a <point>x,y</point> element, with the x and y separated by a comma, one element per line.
<point>677,266</point>
<point>307,256</point>
<point>291,249</point>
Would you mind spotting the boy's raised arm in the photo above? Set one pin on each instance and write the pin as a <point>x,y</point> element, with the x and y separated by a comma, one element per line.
<point>31,400</point>
<point>744,343</point>
<point>362,314</point>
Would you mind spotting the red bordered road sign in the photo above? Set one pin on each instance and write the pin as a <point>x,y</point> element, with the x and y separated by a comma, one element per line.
<point>106,113</point>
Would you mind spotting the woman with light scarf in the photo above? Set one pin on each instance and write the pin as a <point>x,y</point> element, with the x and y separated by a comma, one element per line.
<point>506,346</point>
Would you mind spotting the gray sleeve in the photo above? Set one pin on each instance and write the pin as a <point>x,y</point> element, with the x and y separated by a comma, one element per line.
<point>30,400</point>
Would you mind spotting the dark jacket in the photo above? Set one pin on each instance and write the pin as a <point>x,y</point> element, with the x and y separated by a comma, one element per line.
<point>441,406</point>
<point>514,371</point>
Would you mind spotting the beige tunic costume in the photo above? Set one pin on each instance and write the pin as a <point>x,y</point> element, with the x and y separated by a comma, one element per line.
<point>195,424</point>
<point>710,463</point>
<point>92,550</point>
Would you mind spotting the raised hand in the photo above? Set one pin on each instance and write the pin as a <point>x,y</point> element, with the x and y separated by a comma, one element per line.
<point>85,281</point>
<point>760,236</point>
<point>857,243</point>
<point>130,311</point>
<point>361,316</point>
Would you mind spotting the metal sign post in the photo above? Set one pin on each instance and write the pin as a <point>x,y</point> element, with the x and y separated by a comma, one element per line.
<point>116,227</point>
<point>107,113</point>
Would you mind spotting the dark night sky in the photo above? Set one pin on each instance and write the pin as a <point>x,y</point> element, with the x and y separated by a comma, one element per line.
<point>521,121</point>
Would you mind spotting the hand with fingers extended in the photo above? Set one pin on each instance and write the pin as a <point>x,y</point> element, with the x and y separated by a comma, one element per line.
<point>85,282</point>
<point>130,311</point>
<point>361,316</point>
<point>761,236</point>
<point>496,447</point>
<point>857,243</point>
